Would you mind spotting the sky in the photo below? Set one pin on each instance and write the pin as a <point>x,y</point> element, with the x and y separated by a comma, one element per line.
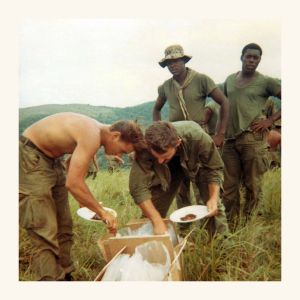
<point>114,62</point>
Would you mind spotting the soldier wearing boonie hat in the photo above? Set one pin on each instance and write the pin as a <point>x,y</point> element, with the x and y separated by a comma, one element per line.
<point>186,93</point>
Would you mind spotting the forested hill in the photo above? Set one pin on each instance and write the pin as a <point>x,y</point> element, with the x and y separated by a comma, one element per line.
<point>105,114</point>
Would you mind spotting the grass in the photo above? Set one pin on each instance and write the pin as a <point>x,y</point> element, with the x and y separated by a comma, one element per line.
<point>251,253</point>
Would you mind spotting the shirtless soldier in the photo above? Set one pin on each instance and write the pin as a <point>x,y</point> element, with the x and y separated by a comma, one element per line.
<point>43,187</point>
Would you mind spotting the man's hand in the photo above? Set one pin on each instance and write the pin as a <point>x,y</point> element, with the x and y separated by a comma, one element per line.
<point>218,139</point>
<point>110,221</point>
<point>148,209</point>
<point>160,228</point>
<point>212,206</point>
<point>260,125</point>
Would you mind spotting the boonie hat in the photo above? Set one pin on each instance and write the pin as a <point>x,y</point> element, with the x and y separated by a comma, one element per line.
<point>174,52</point>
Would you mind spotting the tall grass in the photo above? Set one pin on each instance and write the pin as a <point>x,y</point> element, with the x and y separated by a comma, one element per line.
<point>251,253</point>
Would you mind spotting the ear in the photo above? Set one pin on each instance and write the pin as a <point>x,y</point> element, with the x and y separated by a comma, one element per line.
<point>178,142</point>
<point>116,134</point>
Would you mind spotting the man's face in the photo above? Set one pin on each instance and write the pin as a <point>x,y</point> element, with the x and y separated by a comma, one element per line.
<point>164,158</point>
<point>118,147</point>
<point>176,66</point>
<point>250,60</point>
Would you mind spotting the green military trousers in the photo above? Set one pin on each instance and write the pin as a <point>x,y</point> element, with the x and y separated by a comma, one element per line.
<point>245,159</point>
<point>162,200</point>
<point>44,212</point>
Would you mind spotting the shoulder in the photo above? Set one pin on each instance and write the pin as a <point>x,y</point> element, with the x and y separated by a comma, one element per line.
<point>166,82</point>
<point>143,160</point>
<point>188,129</point>
<point>231,76</point>
<point>201,76</point>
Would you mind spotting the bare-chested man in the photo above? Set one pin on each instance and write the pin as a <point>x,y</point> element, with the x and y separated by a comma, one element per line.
<point>44,208</point>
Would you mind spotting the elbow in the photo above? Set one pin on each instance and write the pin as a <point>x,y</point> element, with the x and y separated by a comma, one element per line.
<point>70,184</point>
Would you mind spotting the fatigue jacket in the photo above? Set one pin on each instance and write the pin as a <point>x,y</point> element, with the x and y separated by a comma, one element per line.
<point>197,154</point>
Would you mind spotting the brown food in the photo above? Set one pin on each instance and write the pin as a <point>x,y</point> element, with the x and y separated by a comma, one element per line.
<point>96,217</point>
<point>188,217</point>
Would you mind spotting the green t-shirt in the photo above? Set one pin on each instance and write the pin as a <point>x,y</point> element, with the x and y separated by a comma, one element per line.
<point>215,111</point>
<point>248,103</point>
<point>197,151</point>
<point>194,95</point>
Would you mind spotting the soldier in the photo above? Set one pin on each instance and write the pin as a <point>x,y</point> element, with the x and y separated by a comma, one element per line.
<point>175,151</point>
<point>245,149</point>
<point>273,105</point>
<point>210,116</point>
<point>186,92</point>
<point>43,187</point>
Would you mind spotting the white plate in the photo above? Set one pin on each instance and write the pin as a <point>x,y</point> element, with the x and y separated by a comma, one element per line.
<point>88,214</point>
<point>200,211</point>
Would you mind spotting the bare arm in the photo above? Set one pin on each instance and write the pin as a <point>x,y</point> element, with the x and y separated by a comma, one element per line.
<point>157,108</point>
<point>75,183</point>
<point>151,212</point>
<point>212,203</point>
<point>220,98</point>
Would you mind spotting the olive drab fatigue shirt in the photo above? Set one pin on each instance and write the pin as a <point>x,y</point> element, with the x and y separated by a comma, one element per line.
<point>248,103</point>
<point>197,151</point>
<point>194,95</point>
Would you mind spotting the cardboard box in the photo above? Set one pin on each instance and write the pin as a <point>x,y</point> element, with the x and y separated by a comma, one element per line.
<point>175,272</point>
<point>111,247</point>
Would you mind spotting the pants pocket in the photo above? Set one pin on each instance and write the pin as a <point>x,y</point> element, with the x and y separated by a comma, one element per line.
<point>32,212</point>
<point>29,161</point>
<point>259,136</point>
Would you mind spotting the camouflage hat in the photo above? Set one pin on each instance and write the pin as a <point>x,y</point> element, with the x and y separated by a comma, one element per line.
<point>174,52</point>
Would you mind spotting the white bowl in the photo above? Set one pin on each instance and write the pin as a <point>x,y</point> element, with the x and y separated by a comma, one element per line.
<point>200,211</point>
<point>88,214</point>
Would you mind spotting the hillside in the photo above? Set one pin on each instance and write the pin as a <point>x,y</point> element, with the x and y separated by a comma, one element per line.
<point>105,114</point>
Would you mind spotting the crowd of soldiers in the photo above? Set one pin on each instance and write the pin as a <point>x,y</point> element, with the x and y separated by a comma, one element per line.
<point>216,139</point>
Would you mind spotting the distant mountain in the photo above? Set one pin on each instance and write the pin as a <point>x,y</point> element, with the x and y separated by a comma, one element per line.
<point>142,113</point>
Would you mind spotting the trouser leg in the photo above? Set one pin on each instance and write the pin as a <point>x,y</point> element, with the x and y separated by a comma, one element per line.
<point>255,164</point>
<point>232,180</point>
<point>216,224</point>
<point>37,212</point>
<point>38,217</point>
<point>64,223</point>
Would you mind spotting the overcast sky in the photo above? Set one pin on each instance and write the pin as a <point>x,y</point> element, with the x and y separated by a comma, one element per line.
<point>114,62</point>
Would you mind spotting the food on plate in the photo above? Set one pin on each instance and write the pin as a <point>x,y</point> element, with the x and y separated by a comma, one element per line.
<point>96,217</point>
<point>188,217</point>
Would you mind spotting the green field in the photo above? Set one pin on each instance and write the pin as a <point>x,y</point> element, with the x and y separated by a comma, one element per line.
<point>252,253</point>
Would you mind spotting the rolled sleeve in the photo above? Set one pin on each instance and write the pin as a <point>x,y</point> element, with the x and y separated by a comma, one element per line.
<point>208,84</point>
<point>161,92</point>
<point>273,86</point>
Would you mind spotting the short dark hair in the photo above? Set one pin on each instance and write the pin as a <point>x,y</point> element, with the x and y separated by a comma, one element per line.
<point>160,136</point>
<point>252,46</point>
<point>130,132</point>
